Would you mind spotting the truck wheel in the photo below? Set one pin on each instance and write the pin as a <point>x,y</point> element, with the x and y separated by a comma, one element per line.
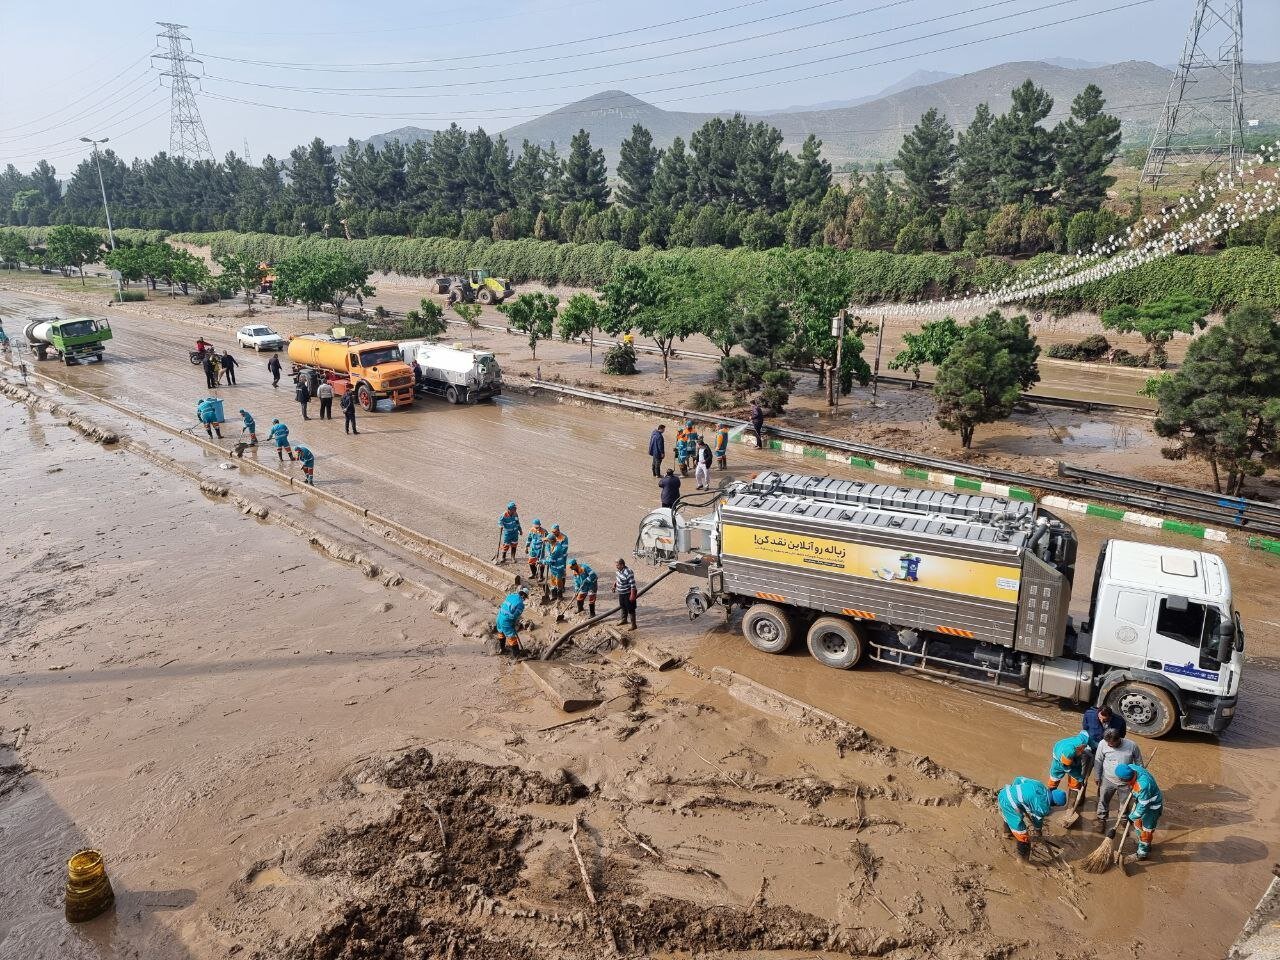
<point>1148,710</point>
<point>452,395</point>
<point>767,628</point>
<point>364,397</point>
<point>835,642</point>
<point>42,352</point>
<point>485,296</point>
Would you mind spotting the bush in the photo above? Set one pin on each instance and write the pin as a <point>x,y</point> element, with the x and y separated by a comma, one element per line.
<point>1091,349</point>
<point>707,400</point>
<point>205,297</point>
<point>1124,358</point>
<point>776,391</point>
<point>131,296</point>
<point>620,360</point>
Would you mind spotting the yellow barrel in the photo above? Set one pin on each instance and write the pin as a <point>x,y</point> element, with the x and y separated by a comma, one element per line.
<point>89,891</point>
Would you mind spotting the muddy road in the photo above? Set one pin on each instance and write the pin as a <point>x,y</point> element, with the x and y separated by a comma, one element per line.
<point>248,601</point>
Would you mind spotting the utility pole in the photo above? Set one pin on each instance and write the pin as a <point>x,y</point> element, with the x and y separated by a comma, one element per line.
<point>875,372</point>
<point>838,324</point>
<point>187,137</point>
<point>111,235</point>
<point>1203,117</point>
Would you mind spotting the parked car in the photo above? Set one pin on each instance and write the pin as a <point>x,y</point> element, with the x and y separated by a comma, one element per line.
<point>259,337</point>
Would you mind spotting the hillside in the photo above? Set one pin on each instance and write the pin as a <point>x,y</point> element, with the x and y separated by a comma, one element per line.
<point>865,132</point>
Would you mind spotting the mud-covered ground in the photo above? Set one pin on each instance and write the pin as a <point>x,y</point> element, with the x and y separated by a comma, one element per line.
<point>230,716</point>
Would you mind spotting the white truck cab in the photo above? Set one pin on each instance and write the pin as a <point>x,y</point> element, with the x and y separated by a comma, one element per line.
<point>1162,619</point>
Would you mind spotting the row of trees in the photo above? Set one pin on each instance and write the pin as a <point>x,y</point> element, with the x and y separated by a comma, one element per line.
<point>1006,184</point>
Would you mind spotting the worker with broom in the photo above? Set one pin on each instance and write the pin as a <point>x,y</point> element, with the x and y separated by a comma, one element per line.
<point>1024,804</point>
<point>1148,803</point>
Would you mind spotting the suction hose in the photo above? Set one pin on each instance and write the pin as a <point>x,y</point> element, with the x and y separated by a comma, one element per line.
<point>548,653</point>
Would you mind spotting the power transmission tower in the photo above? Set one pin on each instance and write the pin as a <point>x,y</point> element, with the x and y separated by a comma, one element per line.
<point>1203,118</point>
<point>187,137</point>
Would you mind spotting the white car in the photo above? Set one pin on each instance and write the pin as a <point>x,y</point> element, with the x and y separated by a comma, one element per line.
<point>260,338</point>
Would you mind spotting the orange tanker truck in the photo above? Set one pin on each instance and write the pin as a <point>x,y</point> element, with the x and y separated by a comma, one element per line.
<point>373,369</point>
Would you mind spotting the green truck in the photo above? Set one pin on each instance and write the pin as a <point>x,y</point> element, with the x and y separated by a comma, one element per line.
<point>72,340</point>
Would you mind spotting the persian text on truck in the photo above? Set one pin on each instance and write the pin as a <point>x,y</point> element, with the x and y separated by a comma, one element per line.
<point>972,587</point>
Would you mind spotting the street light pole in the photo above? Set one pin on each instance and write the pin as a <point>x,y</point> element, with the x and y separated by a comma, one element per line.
<point>111,236</point>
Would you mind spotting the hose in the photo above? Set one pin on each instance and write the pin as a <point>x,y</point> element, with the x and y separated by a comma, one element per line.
<point>578,628</point>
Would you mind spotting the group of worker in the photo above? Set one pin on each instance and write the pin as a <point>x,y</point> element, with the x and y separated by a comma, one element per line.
<point>215,366</point>
<point>547,553</point>
<point>209,413</point>
<point>1115,761</point>
<point>690,450</point>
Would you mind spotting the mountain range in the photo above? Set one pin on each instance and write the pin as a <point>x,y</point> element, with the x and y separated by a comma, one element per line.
<point>868,129</point>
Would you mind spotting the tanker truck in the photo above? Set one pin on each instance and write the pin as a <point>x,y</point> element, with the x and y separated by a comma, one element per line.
<point>374,370</point>
<point>73,340</point>
<point>454,372</point>
<point>969,587</point>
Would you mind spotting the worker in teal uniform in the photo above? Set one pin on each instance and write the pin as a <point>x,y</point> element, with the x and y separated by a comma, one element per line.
<point>1024,804</point>
<point>1148,803</point>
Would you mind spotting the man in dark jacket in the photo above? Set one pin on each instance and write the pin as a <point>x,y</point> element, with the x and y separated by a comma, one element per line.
<point>757,421</point>
<point>349,412</point>
<point>670,488</point>
<point>210,373</point>
<point>303,396</point>
<point>274,366</point>
<point>658,449</point>
<point>229,366</point>
<point>1097,720</point>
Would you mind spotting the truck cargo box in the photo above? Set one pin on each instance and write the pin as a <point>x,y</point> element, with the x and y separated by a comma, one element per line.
<point>974,577</point>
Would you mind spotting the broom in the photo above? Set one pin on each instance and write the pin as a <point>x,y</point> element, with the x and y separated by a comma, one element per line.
<point>1101,860</point>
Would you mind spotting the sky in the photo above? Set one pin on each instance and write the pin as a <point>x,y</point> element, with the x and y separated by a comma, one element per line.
<point>275,74</point>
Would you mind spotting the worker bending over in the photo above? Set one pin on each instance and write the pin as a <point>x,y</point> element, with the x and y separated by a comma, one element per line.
<point>585,583</point>
<point>1069,758</point>
<point>280,434</point>
<point>535,546</point>
<point>509,525</point>
<point>1024,804</point>
<point>207,413</point>
<point>250,427</point>
<point>557,554</point>
<point>308,464</point>
<point>508,622</point>
<point>1148,803</point>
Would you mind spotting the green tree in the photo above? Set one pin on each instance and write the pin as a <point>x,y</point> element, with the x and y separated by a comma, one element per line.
<point>1272,242</point>
<point>533,314</point>
<point>1013,335</point>
<point>1022,150</point>
<point>584,176</point>
<point>931,345</point>
<point>927,158</point>
<point>13,248</point>
<point>1223,404</point>
<point>241,271</point>
<point>313,174</point>
<point>73,247</point>
<point>581,318</point>
<point>671,179</point>
<point>974,188</point>
<point>469,313</point>
<point>187,271</point>
<point>331,278</point>
<point>637,164</point>
<point>977,383</point>
<point>1087,144</point>
<point>651,297</point>
<point>813,173</point>
<point>1158,321</point>
<point>427,321</point>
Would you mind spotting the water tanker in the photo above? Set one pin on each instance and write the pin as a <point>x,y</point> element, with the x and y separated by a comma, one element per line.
<point>374,370</point>
<point>72,340</point>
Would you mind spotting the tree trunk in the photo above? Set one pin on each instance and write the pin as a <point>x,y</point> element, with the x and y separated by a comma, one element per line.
<point>831,388</point>
<point>82,275</point>
<point>1217,482</point>
<point>966,436</point>
<point>664,348</point>
<point>591,347</point>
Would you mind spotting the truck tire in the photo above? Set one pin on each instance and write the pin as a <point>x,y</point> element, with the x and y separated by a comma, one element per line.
<point>1147,710</point>
<point>485,296</point>
<point>364,397</point>
<point>836,642</point>
<point>767,628</point>
<point>42,352</point>
<point>452,395</point>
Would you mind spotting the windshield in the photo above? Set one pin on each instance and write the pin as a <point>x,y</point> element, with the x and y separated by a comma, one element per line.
<point>371,358</point>
<point>77,328</point>
<point>261,332</point>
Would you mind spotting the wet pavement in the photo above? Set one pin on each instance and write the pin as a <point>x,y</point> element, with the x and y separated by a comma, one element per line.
<point>449,470</point>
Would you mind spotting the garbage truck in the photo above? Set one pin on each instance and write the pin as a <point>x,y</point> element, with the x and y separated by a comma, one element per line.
<point>373,369</point>
<point>73,340</point>
<point>966,586</point>
<point>458,374</point>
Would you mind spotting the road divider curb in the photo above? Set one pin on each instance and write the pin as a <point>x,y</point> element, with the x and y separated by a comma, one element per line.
<point>1140,519</point>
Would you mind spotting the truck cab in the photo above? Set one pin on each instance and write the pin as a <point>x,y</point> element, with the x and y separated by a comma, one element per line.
<point>1162,621</point>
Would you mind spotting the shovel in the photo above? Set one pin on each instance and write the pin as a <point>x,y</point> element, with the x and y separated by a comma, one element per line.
<point>1073,817</point>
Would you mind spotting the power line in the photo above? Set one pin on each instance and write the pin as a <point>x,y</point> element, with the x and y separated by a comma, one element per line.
<point>511,111</point>
<point>116,134</point>
<point>97,123</point>
<point>145,83</point>
<point>72,104</point>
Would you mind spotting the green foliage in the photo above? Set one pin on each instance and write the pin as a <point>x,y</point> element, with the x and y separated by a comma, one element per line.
<point>1272,243</point>
<point>1022,155</point>
<point>131,296</point>
<point>469,313</point>
<point>1091,349</point>
<point>620,360</point>
<point>581,318</point>
<point>980,381</point>
<point>1013,336</point>
<point>243,272</point>
<point>637,165</point>
<point>14,249</point>
<point>533,314</point>
<point>584,177</point>
<point>651,297</point>
<point>706,400</point>
<point>427,321</point>
<point>331,278</point>
<point>1223,404</point>
<point>72,247</point>
<point>927,159</point>
<point>1087,143</point>
<point>1158,320</point>
<point>931,345</point>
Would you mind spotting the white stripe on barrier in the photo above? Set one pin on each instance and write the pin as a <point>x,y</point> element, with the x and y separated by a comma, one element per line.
<point>1219,535</point>
<point>1143,520</point>
<point>888,468</point>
